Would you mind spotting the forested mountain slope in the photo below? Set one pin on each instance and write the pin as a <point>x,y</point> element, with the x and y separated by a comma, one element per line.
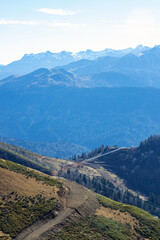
<point>114,116</point>
<point>139,167</point>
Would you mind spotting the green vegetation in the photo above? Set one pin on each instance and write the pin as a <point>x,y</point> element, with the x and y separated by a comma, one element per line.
<point>110,228</point>
<point>140,166</point>
<point>95,227</point>
<point>100,227</point>
<point>29,173</point>
<point>21,156</point>
<point>149,225</point>
<point>18,212</point>
<point>76,231</point>
<point>4,238</point>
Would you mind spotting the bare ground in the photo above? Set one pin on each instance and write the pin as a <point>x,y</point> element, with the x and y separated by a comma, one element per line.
<point>77,202</point>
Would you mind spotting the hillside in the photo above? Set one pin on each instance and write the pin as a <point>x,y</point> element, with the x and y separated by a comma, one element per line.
<point>43,78</point>
<point>51,166</point>
<point>22,156</point>
<point>112,221</point>
<point>66,114</point>
<point>91,175</point>
<point>24,197</point>
<point>138,166</point>
<point>62,150</point>
<point>35,206</point>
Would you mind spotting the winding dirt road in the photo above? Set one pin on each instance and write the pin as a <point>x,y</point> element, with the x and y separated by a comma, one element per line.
<point>78,199</point>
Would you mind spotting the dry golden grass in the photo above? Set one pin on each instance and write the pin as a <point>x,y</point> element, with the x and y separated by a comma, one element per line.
<point>16,182</point>
<point>117,215</point>
<point>5,235</point>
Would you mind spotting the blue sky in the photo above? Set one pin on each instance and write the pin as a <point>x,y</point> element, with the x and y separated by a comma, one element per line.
<point>34,26</point>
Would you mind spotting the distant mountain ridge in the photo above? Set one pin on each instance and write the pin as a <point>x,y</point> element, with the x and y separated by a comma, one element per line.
<point>43,77</point>
<point>31,62</point>
<point>129,70</point>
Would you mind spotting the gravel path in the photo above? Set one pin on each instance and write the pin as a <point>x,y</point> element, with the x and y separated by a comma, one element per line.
<point>79,198</point>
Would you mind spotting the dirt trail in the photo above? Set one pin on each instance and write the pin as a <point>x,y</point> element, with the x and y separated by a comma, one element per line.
<point>78,199</point>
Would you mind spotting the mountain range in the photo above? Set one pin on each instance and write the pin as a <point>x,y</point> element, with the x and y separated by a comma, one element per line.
<point>113,98</point>
<point>126,71</point>
<point>130,70</point>
<point>31,62</point>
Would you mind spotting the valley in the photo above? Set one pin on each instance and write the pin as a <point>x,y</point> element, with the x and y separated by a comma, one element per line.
<point>60,209</point>
<point>79,120</point>
<point>95,174</point>
<point>64,114</point>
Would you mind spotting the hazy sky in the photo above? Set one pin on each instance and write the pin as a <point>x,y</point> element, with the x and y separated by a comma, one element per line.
<point>32,26</point>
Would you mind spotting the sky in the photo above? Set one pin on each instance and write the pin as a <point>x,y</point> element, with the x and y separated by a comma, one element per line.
<point>33,26</point>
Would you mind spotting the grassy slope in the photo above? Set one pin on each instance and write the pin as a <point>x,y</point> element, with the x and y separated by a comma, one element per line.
<point>95,227</point>
<point>50,149</point>
<point>22,156</point>
<point>19,210</point>
<point>149,225</point>
<point>29,173</point>
<point>99,227</point>
<point>51,166</point>
<point>31,159</point>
